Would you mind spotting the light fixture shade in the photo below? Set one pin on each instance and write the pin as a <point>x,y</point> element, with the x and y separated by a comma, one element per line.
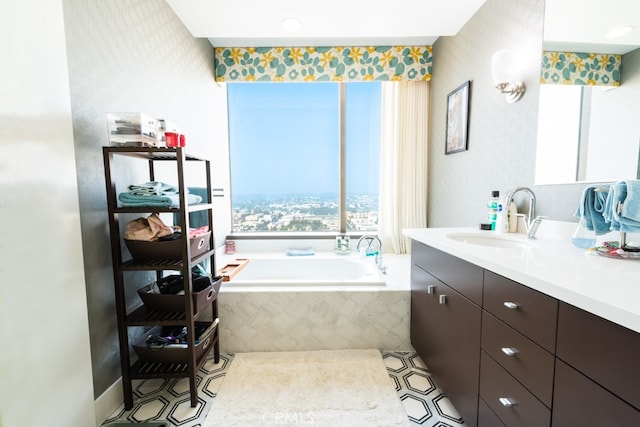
<point>505,66</point>
<point>508,68</point>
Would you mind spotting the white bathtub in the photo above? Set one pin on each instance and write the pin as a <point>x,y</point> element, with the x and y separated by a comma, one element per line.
<point>309,271</point>
<point>320,302</point>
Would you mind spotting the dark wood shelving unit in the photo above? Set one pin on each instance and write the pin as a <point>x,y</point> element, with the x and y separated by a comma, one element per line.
<point>143,316</point>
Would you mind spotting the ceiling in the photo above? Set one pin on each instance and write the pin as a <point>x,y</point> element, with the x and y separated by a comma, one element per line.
<point>258,23</point>
<point>582,25</point>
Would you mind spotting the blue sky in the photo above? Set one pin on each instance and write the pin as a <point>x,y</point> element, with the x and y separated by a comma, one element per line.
<point>284,138</point>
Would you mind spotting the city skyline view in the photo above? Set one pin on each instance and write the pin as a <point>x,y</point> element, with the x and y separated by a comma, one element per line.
<point>284,156</point>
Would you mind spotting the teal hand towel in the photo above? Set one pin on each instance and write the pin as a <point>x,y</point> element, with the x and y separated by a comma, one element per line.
<point>129,199</point>
<point>300,252</point>
<point>631,205</point>
<point>623,206</point>
<point>592,208</point>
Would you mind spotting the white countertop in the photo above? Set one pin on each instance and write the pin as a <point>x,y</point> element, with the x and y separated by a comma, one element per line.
<point>609,288</point>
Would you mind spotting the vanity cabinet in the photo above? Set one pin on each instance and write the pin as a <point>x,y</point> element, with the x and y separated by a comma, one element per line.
<point>532,360</point>
<point>597,371</point>
<point>445,323</point>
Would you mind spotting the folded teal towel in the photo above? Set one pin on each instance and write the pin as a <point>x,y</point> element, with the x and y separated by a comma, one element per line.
<point>300,252</point>
<point>129,199</point>
<point>200,218</point>
<point>592,208</point>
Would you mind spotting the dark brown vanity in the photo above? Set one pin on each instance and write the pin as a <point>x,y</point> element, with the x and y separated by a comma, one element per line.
<point>509,355</point>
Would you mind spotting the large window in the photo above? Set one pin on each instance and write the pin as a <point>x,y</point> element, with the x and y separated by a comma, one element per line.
<point>294,168</point>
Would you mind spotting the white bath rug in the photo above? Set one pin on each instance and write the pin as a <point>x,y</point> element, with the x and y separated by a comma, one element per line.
<point>307,388</point>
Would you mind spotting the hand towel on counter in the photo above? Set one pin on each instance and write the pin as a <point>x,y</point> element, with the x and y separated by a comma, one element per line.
<point>592,208</point>
<point>631,205</point>
<point>622,207</point>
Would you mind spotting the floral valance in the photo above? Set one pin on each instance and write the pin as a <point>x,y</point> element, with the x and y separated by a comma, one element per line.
<point>576,68</point>
<point>300,64</point>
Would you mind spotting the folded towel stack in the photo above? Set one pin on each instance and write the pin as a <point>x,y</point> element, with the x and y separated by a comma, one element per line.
<point>155,194</point>
<point>612,208</point>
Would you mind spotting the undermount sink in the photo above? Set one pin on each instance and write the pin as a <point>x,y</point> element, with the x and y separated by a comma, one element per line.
<point>491,240</point>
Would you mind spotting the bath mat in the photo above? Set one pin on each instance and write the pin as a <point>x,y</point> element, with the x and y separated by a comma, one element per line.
<point>310,388</point>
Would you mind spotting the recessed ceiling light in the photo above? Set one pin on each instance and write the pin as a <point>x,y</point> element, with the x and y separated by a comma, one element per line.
<point>619,31</point>
<point>290,25</point>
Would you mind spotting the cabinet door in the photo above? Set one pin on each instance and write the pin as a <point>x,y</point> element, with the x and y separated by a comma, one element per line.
<point>427,334</point>
<point>445,331</point>
<point>579,402</point>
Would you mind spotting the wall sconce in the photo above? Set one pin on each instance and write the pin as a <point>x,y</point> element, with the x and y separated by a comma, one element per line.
<point>507,72</point>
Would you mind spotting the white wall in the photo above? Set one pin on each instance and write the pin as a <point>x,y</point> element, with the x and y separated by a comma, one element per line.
<point>45,364</point>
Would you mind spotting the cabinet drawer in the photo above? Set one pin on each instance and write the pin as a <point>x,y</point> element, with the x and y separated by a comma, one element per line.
<point>486,417</point>
<point>461,275</point>
<point>531,365</point>
<point>496,384</point>
<point>530,312</point>
<point>579,402</point>
<point>604,351</point>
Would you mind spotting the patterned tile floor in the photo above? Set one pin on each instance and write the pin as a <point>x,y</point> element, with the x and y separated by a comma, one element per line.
<point>168,399</point>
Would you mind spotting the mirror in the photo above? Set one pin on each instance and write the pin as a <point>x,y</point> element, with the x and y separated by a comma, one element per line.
<point>591,133</point>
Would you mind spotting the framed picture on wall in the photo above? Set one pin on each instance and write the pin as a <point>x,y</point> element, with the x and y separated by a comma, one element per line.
<point>457,138</point>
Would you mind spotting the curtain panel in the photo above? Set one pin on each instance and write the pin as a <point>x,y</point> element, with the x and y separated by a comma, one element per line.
<point>576,68</point>
<point>403,158</point>
<point>317,64</point>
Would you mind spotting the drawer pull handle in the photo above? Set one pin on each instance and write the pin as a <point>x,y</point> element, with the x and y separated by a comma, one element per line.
<point>430,289</point>
<point>511,305</point>
<point>507,402</point>
<point>510,351</point>
<point>442,299</point>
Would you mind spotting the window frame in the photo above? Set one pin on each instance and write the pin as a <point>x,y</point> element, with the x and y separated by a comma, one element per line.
<point>342,188</point>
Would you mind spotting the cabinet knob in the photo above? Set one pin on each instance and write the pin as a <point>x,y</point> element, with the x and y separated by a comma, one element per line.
<point>430,289</point>
<point>442,299</point>
<point>507,402</point>
<point>510,305</point>
<point>510,351</point>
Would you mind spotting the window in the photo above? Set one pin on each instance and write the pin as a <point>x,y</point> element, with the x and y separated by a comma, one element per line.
<point>290,171</point>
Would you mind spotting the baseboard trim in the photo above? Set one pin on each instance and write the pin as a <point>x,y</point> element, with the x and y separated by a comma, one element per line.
<point>108,402</point>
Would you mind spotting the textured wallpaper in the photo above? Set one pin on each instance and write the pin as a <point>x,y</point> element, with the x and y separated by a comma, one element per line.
<point>128,56</point>
<point>502,136</point>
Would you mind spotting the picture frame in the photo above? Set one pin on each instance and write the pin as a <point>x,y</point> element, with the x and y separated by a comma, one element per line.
<point>457,125</point>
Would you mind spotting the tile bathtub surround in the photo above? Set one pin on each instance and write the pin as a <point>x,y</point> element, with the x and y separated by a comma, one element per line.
<point>168,399</point>
<point>314,320</point>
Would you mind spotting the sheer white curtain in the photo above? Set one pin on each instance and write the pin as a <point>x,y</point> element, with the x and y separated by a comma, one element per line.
<point>403,173</point>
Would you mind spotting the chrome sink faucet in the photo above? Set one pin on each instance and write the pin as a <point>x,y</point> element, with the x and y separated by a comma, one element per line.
<point>531,222</point>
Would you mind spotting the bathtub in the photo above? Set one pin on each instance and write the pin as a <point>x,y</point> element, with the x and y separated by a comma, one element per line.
<point>309,271</point>
<point>319,302</point>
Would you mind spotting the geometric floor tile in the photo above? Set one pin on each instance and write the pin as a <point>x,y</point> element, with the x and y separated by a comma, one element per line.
<point>169,401</point>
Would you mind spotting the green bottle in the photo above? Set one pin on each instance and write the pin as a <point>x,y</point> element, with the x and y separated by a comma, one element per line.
<point>493,206</point>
